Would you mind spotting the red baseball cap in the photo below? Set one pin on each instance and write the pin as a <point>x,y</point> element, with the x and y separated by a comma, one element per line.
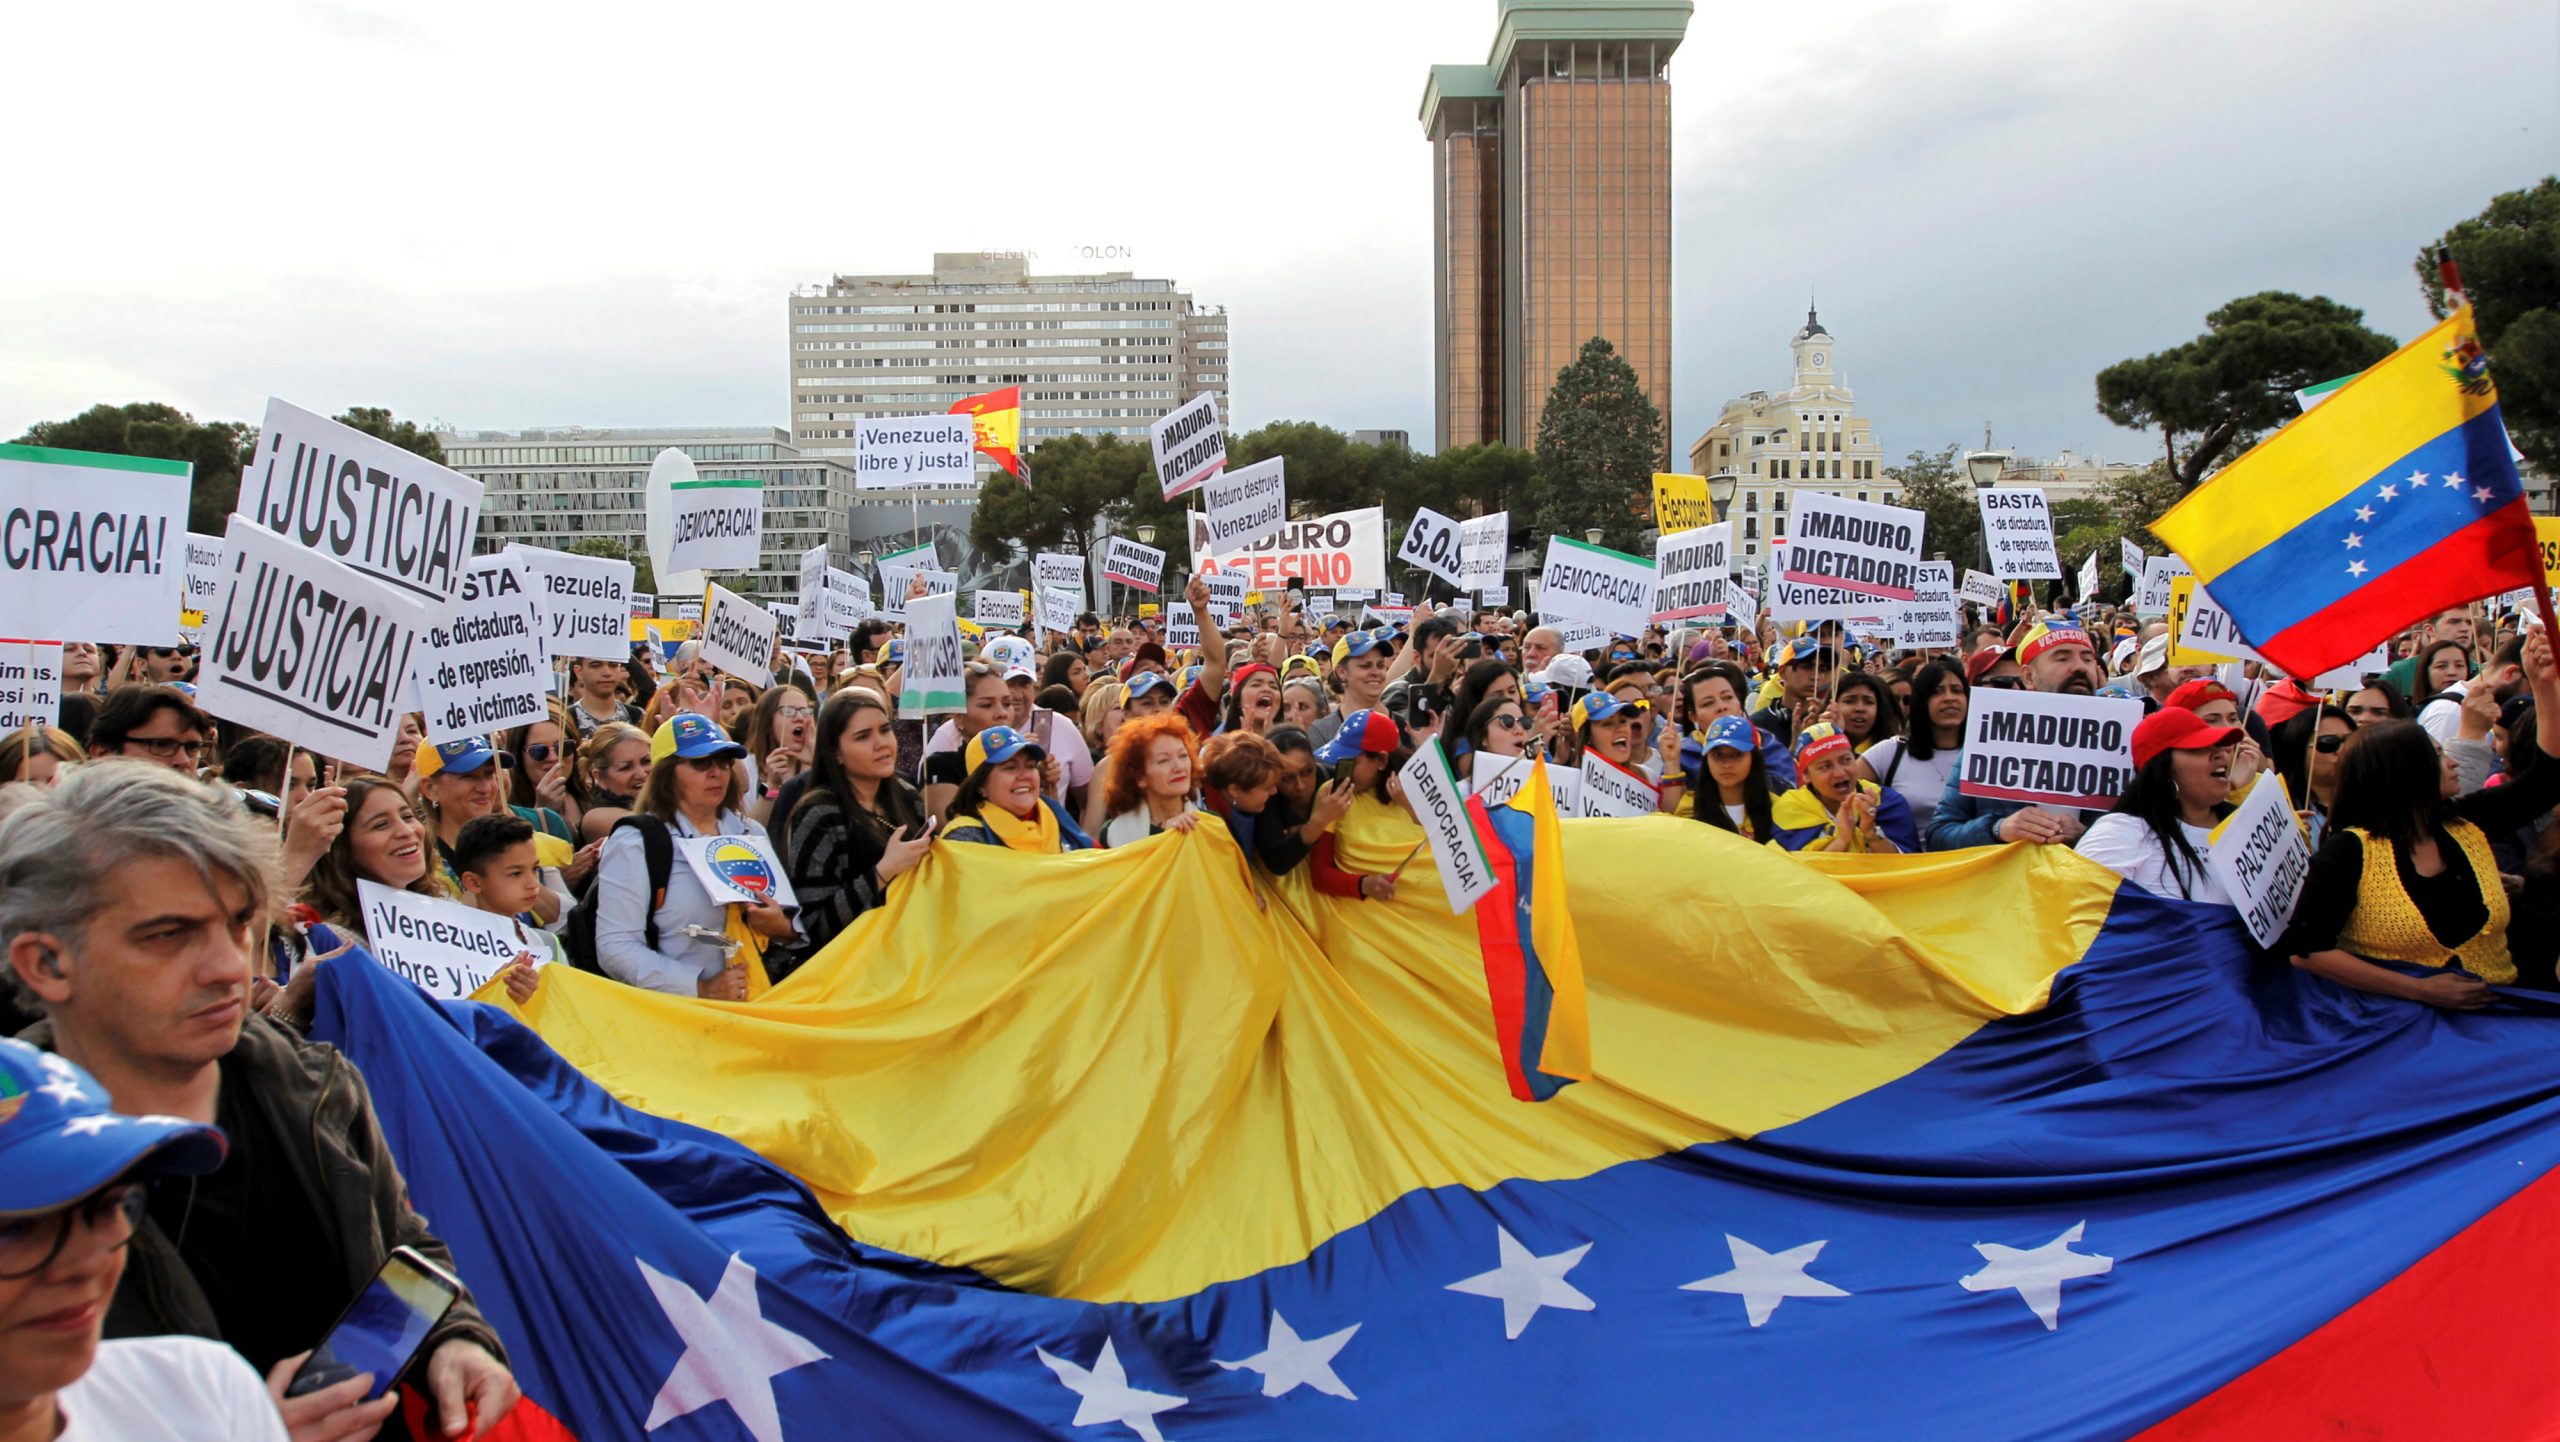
<point>2202,691</point>
<point>2175,728</point>
<point>1979,664</point>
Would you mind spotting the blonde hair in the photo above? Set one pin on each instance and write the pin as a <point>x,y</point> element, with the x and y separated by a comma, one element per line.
<point>18,746</point>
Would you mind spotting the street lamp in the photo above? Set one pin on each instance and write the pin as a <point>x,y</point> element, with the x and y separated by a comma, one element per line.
<point>1720,490</point>
<point>1985,467</point>
<point>862,558</point>
<point>1594,534</point>
<point>1146,535</point>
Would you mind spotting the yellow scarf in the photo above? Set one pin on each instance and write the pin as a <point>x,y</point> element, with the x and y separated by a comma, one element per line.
<point>1039,835</point>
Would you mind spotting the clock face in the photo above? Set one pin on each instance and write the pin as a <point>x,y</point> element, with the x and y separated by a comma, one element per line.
<point>1820,360</point>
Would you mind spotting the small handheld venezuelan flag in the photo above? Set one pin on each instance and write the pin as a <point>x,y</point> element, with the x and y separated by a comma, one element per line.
<point>2394,499</point>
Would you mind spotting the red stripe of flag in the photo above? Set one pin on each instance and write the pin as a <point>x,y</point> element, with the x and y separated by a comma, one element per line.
<point>2498,552</point>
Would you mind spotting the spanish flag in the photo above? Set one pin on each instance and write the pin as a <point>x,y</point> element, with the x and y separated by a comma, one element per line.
<point>999,424</point>
<point>2395,498</point>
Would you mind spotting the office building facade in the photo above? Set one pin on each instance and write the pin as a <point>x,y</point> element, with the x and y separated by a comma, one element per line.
<point>1551,209</point>
<point>1806,437</point>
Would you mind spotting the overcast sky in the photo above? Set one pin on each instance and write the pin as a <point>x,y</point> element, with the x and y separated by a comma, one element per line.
<point>500,215</point>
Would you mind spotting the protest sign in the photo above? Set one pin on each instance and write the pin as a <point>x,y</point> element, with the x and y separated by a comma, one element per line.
<point>642,603</point>
<point>1386,615</point>
<point>737,637</point>
<point>737,869</point>
<point>1349,595</point>
<point>1596,586</point>
<point>1576,637</point>
<point>2017,526</point>
<point>2262,859</point>
<point>848,603</point>
<point>483,668</point>
<point>816,618</point>
<point>1498,778</point>
<point>896,453</point>
<point>98,538</point>
<point>1610,790</point>
<point>1181,628</point>
<point>1317,604</point>
<point>449,949</point>
<point>586,601</point>
<point>716,523</point>
<point>997,608</point>
<point>310,651</point>
<point>2201,633</point>
<point>2089,577</point>
<point>1395,599</point>
<point>1431,788</point>
<point>379,510</point>
<point>1345,549</point>
<point>1133,565</point>
<point>1496,597</point>
<point>2151,598</point>
<point>1860,547</point>
<point>1741,605</point>
<point>204,580</point>
<point>1057,608</point>
<point>1681,503</point>
<point>30,685</point>
<point>2352,675</point>
<point>1431,543</point>
<point>1243,507</point>
<point>1929,620</point>
<point>786,624</point>
<point>2132,557</point>
<point>1691,568</point>
<point>1226,596</point>
<point>1054,570</point>
<point>932,680</point>
<point>1792,601</point>
<point>687,610</point>
<point>1484,547</point>
<point>1981,588</point>
<point>2052,750</point>
<point>1188,444</point>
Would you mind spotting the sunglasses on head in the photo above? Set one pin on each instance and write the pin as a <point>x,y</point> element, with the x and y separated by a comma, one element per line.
<point>2000,683</point>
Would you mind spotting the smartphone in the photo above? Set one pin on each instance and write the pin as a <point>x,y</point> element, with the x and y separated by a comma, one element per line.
<point>1471,651</point>
<point>381,1330</point>
<point>1296,583</point>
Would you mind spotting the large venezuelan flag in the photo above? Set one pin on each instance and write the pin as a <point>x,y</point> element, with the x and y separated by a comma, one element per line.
<point>2395,498</point>
<point>1974,1145</point>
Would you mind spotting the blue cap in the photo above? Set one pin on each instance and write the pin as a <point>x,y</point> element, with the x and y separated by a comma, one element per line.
<point>1146,681</point>
<point>1358,643</point>
<point>692,737</point>
<point>1732,733</point>
<point>1600,706</point>
<point>999,744</point>
<point>898,650</point>
<point>1533,690</point>
<point>461,758</point>
<point>60,1140</point>
<point>1802,648</point>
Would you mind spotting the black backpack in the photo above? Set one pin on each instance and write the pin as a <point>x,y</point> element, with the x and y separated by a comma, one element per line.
<point>658,848</point>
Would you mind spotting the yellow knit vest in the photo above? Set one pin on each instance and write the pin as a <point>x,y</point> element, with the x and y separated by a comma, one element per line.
<point>2386,924</point>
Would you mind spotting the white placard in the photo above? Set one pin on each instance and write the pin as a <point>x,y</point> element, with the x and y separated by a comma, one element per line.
<point>378,510</point>
<point>1609,790</point>
<point>737,869</point>
<point>817,616</point>
<point>1346,550</point>
<point>1057,608</point>
<point>1226,596</point>
<point>30,684</point>
<point>737,637</point>
<point>2017,525</point>
<point>2131,555</point>
<point>898,453</point>
<point>307,650</point>
<point>932,682</point>
<point>2089,577</point>
<point>2067,751</point>
<point>93,545</point>
<point>1484,548</point>
<point>1596,586</point>
<point>2209,629</point>
<point>1981,588</point>
<point>786,624</point>
<point>1691,569</point>
<point>1496,598</point>
<point>1133,565</point>
<point>717,523</point>
<point>1793,601</point>
<point>1497,779</point>
<point>1352,595</point>
<point>483,668</point>
<point>1395,599</point>
<point>2262,859</point>
<point>997,608</point>
<point>1861,547</point>
<point>1318,604</point>
<point>1929,620</point>
<point>1742,606</point>
<point>1432,543</point>
<point>1181,628</point>
<point>1431,788</point>
<point>1189,445</point>
<point>204,574</point>
<point>848,602</point>
<point>1576,637</point>
<point>449,949</point>
<point>1055,570</point>
<point>2151,598</point>
<point>2351,676</point>
<point>586,601</point>
<point>1386,615</point>
<point>1245,507</point>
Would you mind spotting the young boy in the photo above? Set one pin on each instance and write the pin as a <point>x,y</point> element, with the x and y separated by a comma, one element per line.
<point>494,859</point>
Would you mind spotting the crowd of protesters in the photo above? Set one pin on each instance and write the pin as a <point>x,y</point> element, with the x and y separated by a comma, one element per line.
<point>170,884</point>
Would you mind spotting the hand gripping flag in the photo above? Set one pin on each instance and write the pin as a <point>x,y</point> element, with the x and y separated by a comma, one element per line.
<point>1532,959</point>
<point>999,425</point>
<point>2393,499</point>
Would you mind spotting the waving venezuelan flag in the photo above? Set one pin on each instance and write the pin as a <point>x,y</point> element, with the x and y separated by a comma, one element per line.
<point>1973,1145</point>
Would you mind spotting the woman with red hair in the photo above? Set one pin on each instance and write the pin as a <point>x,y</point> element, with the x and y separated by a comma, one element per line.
<point>1154,763</point>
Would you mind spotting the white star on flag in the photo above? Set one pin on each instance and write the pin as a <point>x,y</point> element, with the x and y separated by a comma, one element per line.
<point>731,1353</point>
<point>1288,1361</point>
<point>2454,479</point>
<point>2354,540</point>
<point>2036,1274</point>
<point>2481,494</point>
<point>1105,1395</point>
<point>1525,1282</point>
<point>2390,493</point>
<point>2418,480</point>
<point>89,1126</point>
<point>2355,568</point>
<point>1764,1279</point>
<point>2364,513</point>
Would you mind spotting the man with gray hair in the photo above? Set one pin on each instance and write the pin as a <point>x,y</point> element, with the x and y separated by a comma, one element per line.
<point>133,901</point>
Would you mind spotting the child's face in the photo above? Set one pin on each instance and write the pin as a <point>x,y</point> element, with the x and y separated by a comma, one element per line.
<point>508,883</point>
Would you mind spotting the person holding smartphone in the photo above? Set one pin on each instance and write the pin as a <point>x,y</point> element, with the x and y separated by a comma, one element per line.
<point>856,827</point>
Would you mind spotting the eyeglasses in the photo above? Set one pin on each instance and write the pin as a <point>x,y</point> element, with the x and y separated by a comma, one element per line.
<point>800,711</point>
<point>26,1249</point>
<point>158,652</point>
<point>161,748</point>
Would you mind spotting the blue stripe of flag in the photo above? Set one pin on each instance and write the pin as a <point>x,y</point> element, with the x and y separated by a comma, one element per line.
<point>1518,833</point>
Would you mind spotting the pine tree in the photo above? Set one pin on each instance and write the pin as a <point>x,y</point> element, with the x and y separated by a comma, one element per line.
<point>1599,442</point>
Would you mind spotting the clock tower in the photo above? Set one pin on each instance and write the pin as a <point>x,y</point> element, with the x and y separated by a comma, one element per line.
<point>1813,354</point>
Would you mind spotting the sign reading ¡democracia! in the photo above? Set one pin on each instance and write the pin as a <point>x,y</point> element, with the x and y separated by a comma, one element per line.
<point>2049,750</point>
<point>1596,586</point>
<point>378,510</point>
<point>1189,445</point>
<point>96,543</point>
<point>895,453</point>
<point>2017,527</point>
<point>1440,804</point>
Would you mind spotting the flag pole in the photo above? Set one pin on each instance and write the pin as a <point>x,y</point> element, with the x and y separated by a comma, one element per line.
<point>2456,298</point>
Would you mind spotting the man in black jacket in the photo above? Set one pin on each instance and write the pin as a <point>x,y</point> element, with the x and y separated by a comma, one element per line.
<point>133,902</point>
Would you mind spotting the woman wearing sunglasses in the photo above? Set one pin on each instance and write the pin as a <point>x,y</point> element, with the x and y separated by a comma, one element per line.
<point>2306,747</point>
<point>538,785</point>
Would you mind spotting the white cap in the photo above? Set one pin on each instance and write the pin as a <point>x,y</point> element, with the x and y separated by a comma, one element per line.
<point>2155,655</point>
<point>1566,670</point>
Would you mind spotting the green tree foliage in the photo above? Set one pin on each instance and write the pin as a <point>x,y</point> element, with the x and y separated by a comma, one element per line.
<point>1934,483</point>
<point>1077,484</point>
<point>644,576</point>
<point>2214,396</point>
<point>376,421</point>
<point>2509,255</point>
<point>1600,440</point>
<point>218,449</point>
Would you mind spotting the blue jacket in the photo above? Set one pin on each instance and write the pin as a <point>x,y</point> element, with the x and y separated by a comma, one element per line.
<point>1963,821</point>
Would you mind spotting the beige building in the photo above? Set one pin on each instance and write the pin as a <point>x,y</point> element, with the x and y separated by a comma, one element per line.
<point>2069,476</point>
<point>1806,437</point>
<point>1550,209</point>
<point>1105,354</point>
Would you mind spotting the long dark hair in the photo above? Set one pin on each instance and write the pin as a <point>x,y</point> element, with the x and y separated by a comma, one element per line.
<point>1706,799</point>
<point>1477,679</point>
<point>1919,734</point>
<point>900,807</point>
<point>2152,799</point>
<point>1479,721</point>
<point>2390,783</point>
<point>1888,711</point>
<point>1685,714</point>
<point>2421,690</point>
<point>2292,738</point>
